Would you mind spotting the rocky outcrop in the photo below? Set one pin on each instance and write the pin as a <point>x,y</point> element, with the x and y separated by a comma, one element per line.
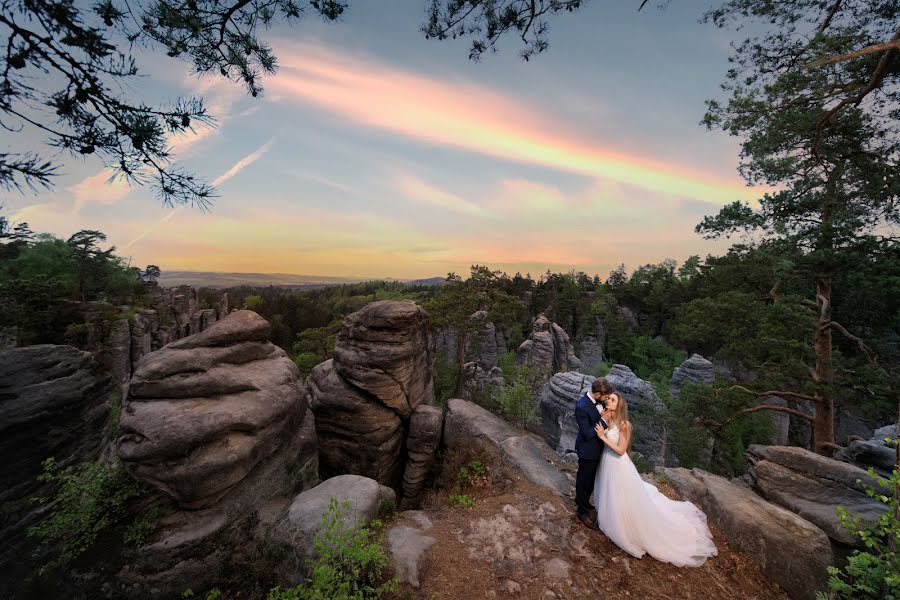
<point>300,523</point>
<point>385,349</point>
<point>479,382</point>
<point>790,550</point>
<point>548,348</point>
<point>644,409</point>
<point>813,486</point>
<point>557,405</point>
<point>425,429</point>
<point>356,433</point>
<point>382,371</point>
<point>54,402</point>
<point>593,348</point>
<point>467,424</point>
<point>484,345</point>
<point>205,411</point>
<point>875,452</point>
<point>407,545</point>
<point>695,369</point>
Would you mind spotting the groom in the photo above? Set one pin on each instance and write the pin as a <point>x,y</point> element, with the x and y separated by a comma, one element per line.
<point>588,446</point>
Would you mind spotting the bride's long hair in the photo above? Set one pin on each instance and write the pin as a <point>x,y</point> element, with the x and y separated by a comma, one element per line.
<point>620,418</point>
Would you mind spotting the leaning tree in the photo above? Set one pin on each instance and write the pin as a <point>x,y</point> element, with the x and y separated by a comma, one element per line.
<point>814,100</point>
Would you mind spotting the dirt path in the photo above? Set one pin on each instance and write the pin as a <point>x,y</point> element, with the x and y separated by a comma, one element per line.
<point>520,541</point>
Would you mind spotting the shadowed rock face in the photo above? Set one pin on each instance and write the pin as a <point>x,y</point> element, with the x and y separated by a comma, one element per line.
<point>425,428</point>
<point>558,398</point>
<point>643,410</point>
<point>385,349</point>
<point>357,434</point>
<point>53,403</point>
<point>204,411</point>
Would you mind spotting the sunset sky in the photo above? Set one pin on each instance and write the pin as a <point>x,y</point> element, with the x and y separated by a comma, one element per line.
<point>377,153</point>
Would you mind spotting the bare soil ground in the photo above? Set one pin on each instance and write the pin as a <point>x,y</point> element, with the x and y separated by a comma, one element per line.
<point>521,541</point>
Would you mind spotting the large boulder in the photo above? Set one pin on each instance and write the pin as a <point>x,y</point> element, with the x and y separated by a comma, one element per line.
<point>467,424</point>
<point>790,550</point>
<point>488,342</point>
<point>548,347</point>
<point>54,402</point>
<point>644,409</point>
<point>695,369</point>
<point>385,348</point>
<point>359,500</point>
<point>874,452</point>
<point>593,347</point>
<point>205,411</point>
<point>814,486</point>
<point>425,428</point>
<point>558,398</point>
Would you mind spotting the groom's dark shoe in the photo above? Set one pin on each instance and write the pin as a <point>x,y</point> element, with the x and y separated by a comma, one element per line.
<point>587,521</point>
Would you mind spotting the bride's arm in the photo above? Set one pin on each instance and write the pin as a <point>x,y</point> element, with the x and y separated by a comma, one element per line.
<point>619,448</point>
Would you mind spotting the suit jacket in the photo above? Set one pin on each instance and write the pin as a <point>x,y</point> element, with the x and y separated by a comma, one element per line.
<point>587,444</point>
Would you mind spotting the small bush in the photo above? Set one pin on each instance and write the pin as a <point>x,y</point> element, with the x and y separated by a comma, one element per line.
<point>873,573</point>
<point>518,404</point>
<point>462,500</point>
<point>349,565</point>
<point>90,498</point>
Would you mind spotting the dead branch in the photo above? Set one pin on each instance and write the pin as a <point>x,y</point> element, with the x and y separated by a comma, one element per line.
<point>788,394</point>
<point>870,354</point>
<point>873,49</point>
<point>833,11</point>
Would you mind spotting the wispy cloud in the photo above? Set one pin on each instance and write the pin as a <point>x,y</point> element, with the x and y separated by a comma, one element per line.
<point>425,193</point>
<point>101,188</point>
<point>325,181</point>
<point>234,170</point>
<point>474,118</point>
<point>243,163</point>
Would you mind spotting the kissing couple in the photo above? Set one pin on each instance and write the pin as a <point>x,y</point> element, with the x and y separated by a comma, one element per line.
<point>631,512</point>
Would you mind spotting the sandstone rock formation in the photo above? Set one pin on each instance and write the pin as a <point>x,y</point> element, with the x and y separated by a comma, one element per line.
<point>813,486</point>
<point>53,403</point>
<point>425,429</point>
<point>593,348</point>
<point>548,347</point>
<point>382,371</point>
<point>356,433</point>
<point>557,405</point>
<point>468,424</point>
<point>790,550</point>
<point>205,411</point>
<point>644,408</point>
<point>407,545</point>
<point>695,369</point>
<point>874,452</point>
<point>385,348</point>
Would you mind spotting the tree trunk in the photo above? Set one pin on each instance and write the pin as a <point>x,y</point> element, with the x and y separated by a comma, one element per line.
<point>461,341</point>
<point>823,426</point>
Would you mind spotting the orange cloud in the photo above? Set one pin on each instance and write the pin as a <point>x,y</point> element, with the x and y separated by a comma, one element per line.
<point>474,118</point>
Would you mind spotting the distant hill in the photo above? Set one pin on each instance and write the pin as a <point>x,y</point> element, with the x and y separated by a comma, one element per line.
<point>210,279</point>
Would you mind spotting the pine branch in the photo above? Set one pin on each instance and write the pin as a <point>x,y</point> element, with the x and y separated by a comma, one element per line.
<point>870,354</point>
<point>788,394</point>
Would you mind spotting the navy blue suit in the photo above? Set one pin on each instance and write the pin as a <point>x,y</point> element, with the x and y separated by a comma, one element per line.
<point>589,449</point>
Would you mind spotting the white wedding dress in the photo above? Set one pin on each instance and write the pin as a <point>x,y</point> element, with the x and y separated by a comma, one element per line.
<point>640,520</point>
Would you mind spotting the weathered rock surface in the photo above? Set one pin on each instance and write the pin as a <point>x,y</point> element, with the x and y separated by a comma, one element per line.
<point>644,407</point>
<point>204,411</point>
<point>874,452</point>
<point>385,348</point>
<point>53,403</point>
<point>557,404</point>
<point>813,486</point>
<point>425,428</point>
<point>790,550</point>
<point>593,348</point>
<point>356,433</point>
<point>695,369</point>
<point>407,546</point>
<point>301,522</point>
<point>466,424</point>
<point>548,347</point>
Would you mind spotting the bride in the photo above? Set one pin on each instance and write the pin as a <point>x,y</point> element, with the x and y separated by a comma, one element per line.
<point>633,513</point>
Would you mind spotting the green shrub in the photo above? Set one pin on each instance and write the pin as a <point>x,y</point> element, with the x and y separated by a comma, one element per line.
<point>349,565</point>
<point>140,530</point>
<point>872,573</point>
<point>602,369</point>
<point>115,412</point>
<point>517,403</point>
<point>90,498</point>
<point>444,379</point>
<point>306,361</point>
<point>462,500</point>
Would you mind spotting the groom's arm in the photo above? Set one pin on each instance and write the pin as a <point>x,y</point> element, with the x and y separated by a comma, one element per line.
<point>585,427</point>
